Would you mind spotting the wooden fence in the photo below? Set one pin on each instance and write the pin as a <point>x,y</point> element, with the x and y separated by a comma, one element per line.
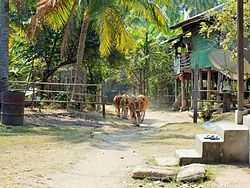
<point>46,92</point>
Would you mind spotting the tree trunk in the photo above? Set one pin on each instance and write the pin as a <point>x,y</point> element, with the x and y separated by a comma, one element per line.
<point>4,38</point>
<point>80,55</point>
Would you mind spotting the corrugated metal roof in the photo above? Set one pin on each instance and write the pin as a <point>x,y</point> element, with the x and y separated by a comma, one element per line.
<point>199,17</point>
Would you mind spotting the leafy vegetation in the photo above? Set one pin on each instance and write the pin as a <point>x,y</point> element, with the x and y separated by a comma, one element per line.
<point>125,40</point>
<point>225,25</point>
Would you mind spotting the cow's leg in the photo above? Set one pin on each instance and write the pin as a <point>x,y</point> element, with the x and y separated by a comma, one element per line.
<point>138,117</point>
<point>143,115</point>
<point>124,113</point>
<point>118,111</point>
<point>133,119</point>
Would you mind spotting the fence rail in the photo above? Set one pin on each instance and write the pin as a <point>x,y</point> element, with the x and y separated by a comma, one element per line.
<point>36,92</point>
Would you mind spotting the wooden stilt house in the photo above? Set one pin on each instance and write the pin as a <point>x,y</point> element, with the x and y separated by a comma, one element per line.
<point>191,46</point>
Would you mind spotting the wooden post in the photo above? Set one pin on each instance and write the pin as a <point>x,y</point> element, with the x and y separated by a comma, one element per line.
<point>103,111</point>
<point>187,86</point>
<point>192,88</point>
<point>219,85</point>
<point>240,69</point>
<point>208,83</point>
<point>226,102</point>
<point>67,90</point>
<point>200,88</point>
<point>33,89</point>
<point>103,107</point>
<point>196,73</point>
<point>240,55</point>
<point>103,101</point>
<point>176,89</point>
<point>99,98</point>
<point>183,94</point>
<point>33,95</point>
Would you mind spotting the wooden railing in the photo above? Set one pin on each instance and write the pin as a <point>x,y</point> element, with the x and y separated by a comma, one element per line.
<point>36,92</point>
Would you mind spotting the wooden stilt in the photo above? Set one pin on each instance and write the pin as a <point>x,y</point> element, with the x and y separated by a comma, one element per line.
<point>192,89</point>
<point>219,85</point>
<point>196,73</point>
<point>208,83</point>
<point>176,89</point>
<point>183,94</point>
<point>200,88</point>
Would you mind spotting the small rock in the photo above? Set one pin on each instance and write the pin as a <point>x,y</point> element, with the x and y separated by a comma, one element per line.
<point>191,172</point>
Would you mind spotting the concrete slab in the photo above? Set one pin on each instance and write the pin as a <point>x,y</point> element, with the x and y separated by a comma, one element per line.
<point>188,156</point>
<point>167,161</point>
<point>220,129</point>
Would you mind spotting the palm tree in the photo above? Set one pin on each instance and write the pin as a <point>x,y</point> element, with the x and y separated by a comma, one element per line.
<point>105,16</point>
<point>4,36</point>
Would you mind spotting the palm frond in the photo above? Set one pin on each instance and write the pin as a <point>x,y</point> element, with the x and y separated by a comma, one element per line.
<point>150,10</point>
<point>53,12</point>
<point>68,29</point>
<point>109,26</point>
<point>105,35</point>
<point>123,39</point>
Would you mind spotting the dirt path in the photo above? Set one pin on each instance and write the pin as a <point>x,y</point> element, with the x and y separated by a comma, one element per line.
<point>112,161</point>
<point>233,178</point>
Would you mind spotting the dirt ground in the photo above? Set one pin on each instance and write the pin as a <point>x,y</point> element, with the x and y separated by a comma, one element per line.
<point>112,161</point>
<point>68,149</point>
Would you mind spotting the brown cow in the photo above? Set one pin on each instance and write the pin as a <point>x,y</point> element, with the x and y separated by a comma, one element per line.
<point>134,108</point>
<point>143,106</point>
<point>117,104</point>
<point>124,105</point>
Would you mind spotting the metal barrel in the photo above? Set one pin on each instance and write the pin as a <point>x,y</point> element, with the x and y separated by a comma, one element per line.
<point>13,108</point>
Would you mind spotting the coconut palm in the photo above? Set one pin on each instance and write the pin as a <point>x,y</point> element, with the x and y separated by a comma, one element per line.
<point>105,16</point>
<point>4,36</point>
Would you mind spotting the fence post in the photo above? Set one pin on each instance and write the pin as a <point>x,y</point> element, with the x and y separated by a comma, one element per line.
<point>103,107</point>
<point>99,98</point>
<point>33,89</point>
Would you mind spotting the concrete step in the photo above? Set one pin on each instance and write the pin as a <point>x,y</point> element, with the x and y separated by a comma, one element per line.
<point>231,147</point>
<point>236,143</point>
<point>231,129</point>
<point>246,120</point>
<point>204,145</point>
<point>187,156</point>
